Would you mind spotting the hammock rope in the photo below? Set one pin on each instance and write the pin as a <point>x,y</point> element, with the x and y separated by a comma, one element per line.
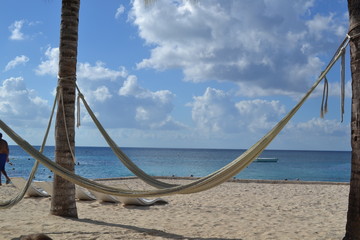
<point>21,194</point>
<point>61,102</point>
<point>324,101</point>
<point>342,83</point>
<point>119,153</point>
<point>340,52</point>
<point>201,184</point>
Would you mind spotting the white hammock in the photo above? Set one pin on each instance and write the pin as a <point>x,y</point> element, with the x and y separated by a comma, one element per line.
<point>201,184</point>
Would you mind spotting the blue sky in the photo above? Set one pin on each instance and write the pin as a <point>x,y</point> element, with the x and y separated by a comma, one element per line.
<point>214,74</point>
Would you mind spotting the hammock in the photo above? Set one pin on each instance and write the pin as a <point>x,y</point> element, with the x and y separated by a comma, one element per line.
<point>159,184</point>
<point>201,184</point>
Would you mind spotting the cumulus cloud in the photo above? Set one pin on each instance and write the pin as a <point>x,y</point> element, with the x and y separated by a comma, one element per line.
<point>149,109</point>
<point>261,114</point>
<point>102,93</point>
<point>130,106</point>
<point>274,45</point>
<point>99,71</point>
<point>313,133</point>
<point>144,108</point>
<point>322,24</point>
<point>50,66</point>
<point>216,111</point>
<point>217,115</point>
<point>318,126</point>
<point>20,106</point>
<point>15,29</point>
<point>131,88</point>
<point>16,61</point>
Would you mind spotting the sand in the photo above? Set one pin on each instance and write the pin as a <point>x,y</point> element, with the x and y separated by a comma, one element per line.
<point>233,210</point>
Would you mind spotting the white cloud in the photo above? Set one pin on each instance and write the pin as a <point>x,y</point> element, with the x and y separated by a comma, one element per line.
<point>217,115</point>
<point>102,93</point>
<point>144,108</point>
<point>149,109</point>
<point>318,126</point>
<point>262,43</point>
<point>322,24</point>
<point>50,65</point>
<point>209,111</point>
<point>248,89</point>
<point>315,133</point>
<point>215,111</point>
<point>130,87</point>
<point>260,114</point>
<point>132,106</point>
<point>99,71</point>
<point>20,106</point>
<point>119,11</point>
<point>15,29</point>
<point>16,61</point>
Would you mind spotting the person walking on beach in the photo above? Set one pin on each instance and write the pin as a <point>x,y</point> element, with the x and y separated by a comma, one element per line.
<point>4,157</point>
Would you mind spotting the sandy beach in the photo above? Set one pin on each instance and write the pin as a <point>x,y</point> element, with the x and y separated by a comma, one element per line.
<point>233,210</point>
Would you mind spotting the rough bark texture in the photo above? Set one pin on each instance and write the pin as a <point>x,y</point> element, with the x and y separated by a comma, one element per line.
<point>353,215</point>
<point>63,200</point>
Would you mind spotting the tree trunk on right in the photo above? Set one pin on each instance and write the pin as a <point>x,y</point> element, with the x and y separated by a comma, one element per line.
<point>353,215</point>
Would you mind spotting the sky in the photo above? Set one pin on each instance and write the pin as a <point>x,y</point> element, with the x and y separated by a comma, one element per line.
<point>180,74</point>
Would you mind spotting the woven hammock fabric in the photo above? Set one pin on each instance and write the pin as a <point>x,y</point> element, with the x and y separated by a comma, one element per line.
<point>201,184</point>
<point>159,184</point>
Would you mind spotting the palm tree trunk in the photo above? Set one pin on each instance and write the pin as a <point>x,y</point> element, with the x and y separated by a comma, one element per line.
<point>63,200</point>
<point>353,215</point>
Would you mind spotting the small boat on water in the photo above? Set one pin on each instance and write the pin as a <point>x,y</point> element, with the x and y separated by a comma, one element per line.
<point>266,160</point>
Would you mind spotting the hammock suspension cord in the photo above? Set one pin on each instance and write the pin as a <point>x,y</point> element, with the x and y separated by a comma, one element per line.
<point>201,184</point>
<point>21,194</point>
<point>156,183</point>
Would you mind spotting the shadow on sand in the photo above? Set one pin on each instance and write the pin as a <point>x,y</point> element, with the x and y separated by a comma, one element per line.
<point>145,231</point>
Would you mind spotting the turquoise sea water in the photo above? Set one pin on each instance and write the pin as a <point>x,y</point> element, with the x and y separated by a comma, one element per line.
<point>100,162</point>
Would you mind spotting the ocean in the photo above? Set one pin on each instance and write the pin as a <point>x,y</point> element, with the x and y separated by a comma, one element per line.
<point>100,162</point>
